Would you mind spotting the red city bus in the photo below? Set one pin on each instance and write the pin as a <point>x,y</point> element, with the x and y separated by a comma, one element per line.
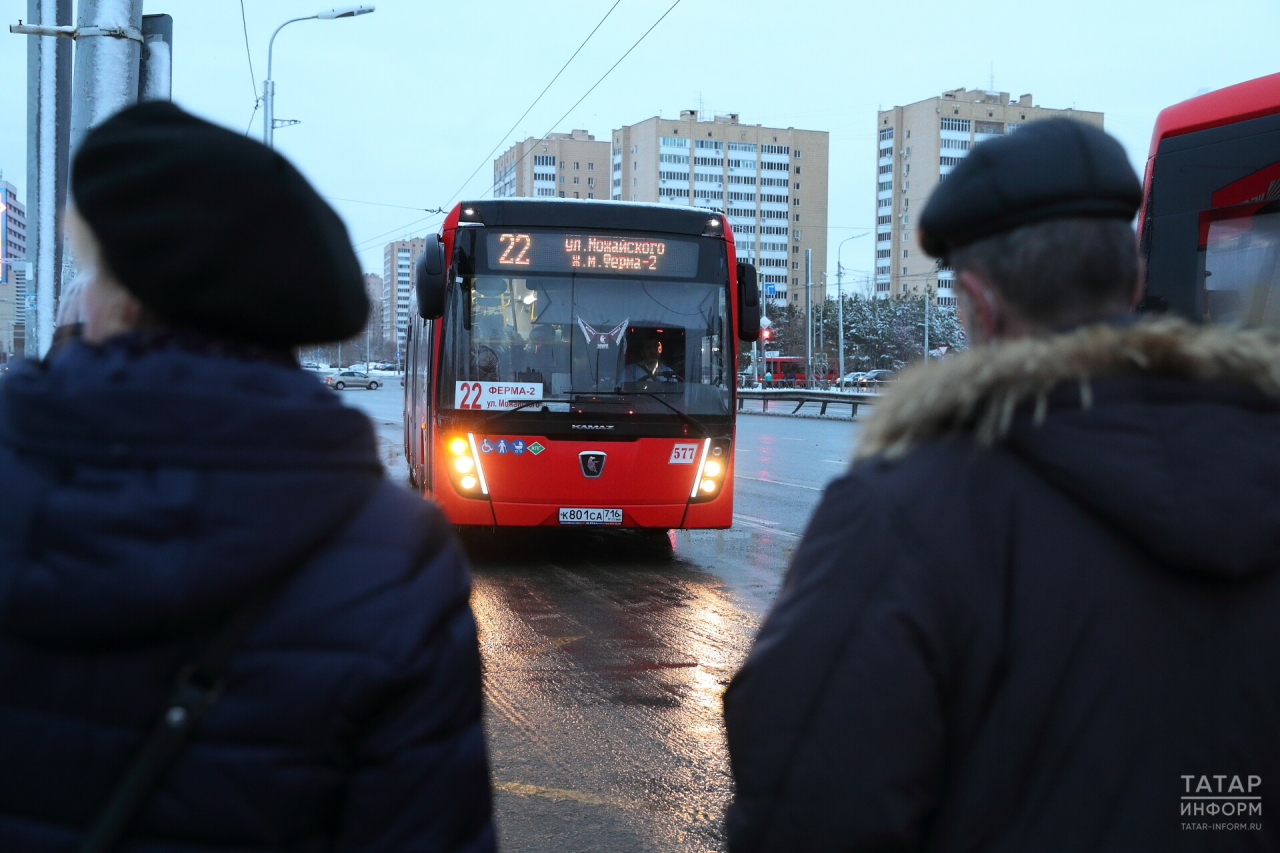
<point>572,362</point>
<point>1210,221</point>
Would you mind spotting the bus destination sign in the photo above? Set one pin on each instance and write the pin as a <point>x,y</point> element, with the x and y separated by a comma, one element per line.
<point>545,251</point>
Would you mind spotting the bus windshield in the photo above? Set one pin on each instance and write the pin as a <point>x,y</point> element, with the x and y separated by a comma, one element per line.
<point>517,341</point>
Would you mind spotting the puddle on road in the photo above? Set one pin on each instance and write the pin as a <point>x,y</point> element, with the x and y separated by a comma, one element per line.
<point>607,653</point>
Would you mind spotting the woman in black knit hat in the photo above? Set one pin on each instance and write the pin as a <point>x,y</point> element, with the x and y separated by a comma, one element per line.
<point>182,504</point>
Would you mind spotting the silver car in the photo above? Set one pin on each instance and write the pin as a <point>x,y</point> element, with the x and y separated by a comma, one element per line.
<point>351,379</point>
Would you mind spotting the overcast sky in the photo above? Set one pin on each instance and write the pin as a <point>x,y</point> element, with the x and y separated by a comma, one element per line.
<point>400,106</point>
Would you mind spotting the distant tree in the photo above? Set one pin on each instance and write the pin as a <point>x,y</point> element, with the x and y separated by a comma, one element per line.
<point>889,332</point>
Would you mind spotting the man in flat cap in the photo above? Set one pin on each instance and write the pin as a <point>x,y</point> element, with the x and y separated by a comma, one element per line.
<point>198,547</point>
<point>1042,610</point>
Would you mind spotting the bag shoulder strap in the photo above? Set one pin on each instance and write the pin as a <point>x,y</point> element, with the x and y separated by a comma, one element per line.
<point>198,686</point>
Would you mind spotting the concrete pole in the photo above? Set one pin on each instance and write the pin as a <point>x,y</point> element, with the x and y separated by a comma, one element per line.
<point>48,128</point>
<point>105,81</point>
<point>926,324</point>
<point>808,317</point>
<point>108,55</point>
<point>268,113</point>
<point>840,315</point>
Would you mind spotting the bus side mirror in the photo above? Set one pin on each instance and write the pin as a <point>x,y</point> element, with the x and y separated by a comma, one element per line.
<point>431,279</point>
<point>748,303</point>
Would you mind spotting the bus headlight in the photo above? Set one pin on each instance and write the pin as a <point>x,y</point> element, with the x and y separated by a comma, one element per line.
<point>465,471</point>
<point>712,468</point>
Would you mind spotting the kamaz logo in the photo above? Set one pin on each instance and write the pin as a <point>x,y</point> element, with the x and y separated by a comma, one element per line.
<point>591,426</point>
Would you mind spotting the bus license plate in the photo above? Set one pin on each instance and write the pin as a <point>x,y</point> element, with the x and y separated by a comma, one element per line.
<point>582,515</point>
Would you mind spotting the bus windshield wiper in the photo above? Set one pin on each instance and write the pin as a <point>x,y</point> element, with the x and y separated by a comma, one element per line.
<point>688,419</point>
<point>685,417</point>
<point>499,415</point>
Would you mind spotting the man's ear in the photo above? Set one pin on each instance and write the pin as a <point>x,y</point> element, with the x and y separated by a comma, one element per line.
<point>984,320</point>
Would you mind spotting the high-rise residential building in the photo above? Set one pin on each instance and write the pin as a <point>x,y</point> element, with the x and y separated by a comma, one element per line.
<point>377,293</point>
<point>918,145</point>
<point>564,165</point>
<point>13,279</point>
<point>398,277</point>
<point>770,182</point>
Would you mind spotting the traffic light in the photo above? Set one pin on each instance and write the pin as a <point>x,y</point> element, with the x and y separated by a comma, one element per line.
<point>766,334</point>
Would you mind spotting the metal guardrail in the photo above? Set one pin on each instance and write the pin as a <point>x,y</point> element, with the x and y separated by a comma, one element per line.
<point>801,396</point>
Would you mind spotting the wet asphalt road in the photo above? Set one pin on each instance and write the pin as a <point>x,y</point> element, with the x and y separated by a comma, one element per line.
<point>606,652</point>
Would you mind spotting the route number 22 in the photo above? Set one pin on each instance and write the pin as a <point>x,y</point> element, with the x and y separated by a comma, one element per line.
<point>470,395</point>
<point>515,249</point>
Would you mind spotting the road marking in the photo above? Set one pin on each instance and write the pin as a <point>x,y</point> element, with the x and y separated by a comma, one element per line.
<point>559,795</point>
<point>568,795</point>
<point>765,529</point>
<point>550,645</point>
<point>763,521</point>
<point>776,482</point>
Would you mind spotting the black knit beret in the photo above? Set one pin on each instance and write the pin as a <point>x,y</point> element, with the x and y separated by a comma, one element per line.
<point>215,232</point>
<point>1050,169</point>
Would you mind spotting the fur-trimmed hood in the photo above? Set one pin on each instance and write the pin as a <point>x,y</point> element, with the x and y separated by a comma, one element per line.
<point>1169,430</point>
<point>979,390</point>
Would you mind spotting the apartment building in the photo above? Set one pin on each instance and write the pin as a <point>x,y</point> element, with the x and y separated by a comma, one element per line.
<point>398,279</point>
<point>376,290</point>
<point>770,182</point>
<point>917,147</point>
<point>13,280</point>
<point>564,165</point>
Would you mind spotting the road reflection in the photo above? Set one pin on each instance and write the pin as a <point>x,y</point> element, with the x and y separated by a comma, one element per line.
<point>606,655</point>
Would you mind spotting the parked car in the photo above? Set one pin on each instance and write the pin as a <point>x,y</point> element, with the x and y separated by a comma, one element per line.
<point>351,379</point>
<point>310,365</point>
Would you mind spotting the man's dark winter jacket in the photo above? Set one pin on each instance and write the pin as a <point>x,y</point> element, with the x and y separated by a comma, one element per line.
<point>1042,609</point>
<point>146,490</point>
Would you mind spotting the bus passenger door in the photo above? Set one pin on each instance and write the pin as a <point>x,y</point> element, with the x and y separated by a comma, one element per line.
<point>422,387</point>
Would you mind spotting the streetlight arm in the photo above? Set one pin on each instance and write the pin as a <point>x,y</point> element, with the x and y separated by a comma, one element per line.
<point>271,44</point>
<point>840,298</point>
<point>269,87</point>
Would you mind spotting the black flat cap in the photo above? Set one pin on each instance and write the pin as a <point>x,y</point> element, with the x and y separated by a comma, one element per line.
<point>215,232</point>
<point>1050,169</point>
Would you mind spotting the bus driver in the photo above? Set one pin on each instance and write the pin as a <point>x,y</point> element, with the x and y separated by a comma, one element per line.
<point>649,367</point>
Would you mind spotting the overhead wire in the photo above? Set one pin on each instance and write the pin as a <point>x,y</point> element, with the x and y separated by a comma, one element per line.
<point>383,204</point>
<point>249,126</point>
<point>643,36</point>
<point>368,242</point>
<point>362,245</point>
<point>506,135</point>
<point>253,78</point>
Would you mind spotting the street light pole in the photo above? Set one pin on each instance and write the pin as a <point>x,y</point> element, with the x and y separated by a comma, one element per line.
<point>840,295</point>
<point>269,86</point>
<point>808,318</point>
<point>926,324</point>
